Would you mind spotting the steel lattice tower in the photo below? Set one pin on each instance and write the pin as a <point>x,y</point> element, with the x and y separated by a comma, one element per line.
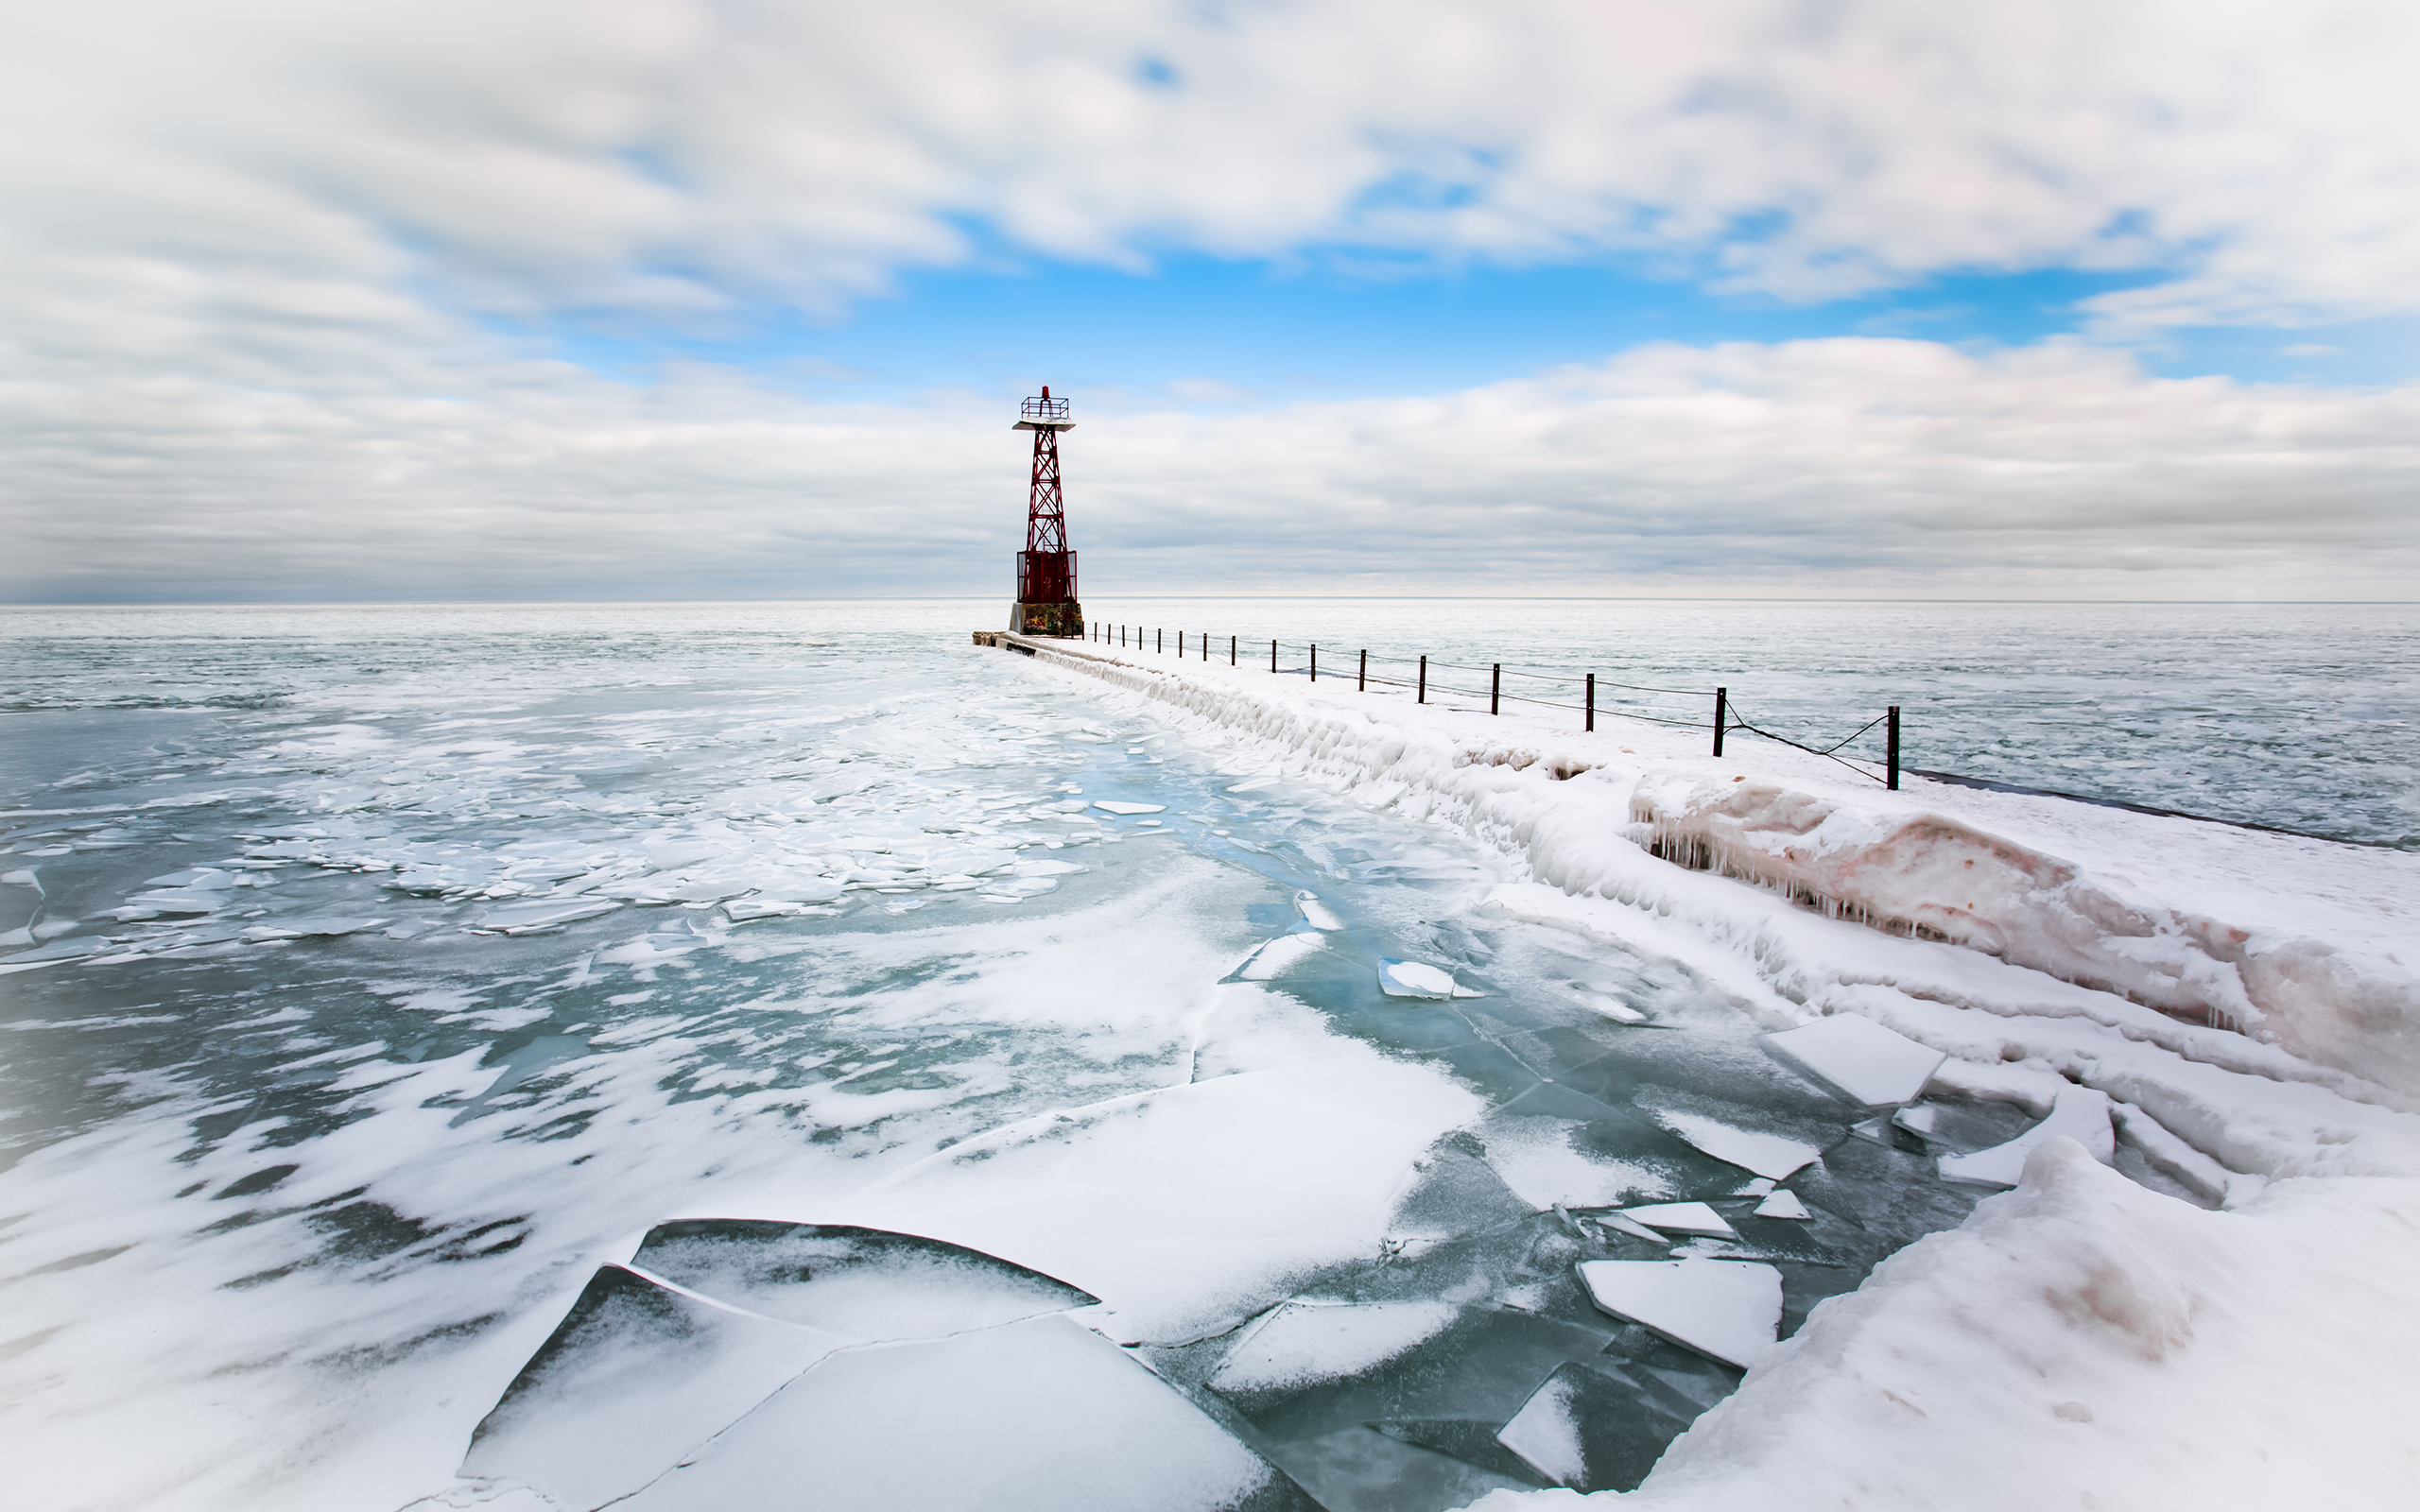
<point>1047,602</point>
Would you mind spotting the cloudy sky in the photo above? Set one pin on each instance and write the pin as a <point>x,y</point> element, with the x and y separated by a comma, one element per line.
<point>316,299</point>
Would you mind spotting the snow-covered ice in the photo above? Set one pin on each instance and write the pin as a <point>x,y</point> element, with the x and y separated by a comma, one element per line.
<point>1729,1308</point>
<point>1868,1062</point>
<point>1783,1204</point>
<point>389,985</point>
<point>1681,1218</point>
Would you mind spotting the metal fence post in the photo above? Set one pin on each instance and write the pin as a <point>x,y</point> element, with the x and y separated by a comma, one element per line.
<point>1894,748</point>
<point>1231,650</point>
<point>1496,687</point>
<point>1361,684</point>
<point>1592,701</point>
<point>1272,656</point>
<point>1721,701</point>
<point>1424,680</point>
<point>1315,660</point>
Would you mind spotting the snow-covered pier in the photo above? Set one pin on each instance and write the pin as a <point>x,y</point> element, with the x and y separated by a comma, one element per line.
<point>2235,1009</point>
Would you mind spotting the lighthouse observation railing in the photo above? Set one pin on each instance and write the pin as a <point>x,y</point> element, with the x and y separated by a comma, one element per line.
<point>1044,408</point>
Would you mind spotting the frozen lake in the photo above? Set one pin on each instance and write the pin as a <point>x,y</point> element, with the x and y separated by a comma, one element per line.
<point>381,972</point>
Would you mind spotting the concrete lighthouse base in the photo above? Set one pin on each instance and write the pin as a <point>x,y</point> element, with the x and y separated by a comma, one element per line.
<point>1062,620</point>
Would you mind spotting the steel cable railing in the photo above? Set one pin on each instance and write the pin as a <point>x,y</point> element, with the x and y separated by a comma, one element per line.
<point>1727,718</point>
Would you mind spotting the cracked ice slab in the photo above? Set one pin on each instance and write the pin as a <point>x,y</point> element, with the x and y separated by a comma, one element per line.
<point>1773,1156</point>
<point>1043,1415</point>
<point>1728,1309</point>
<point>1871,1064</point>
<point>1300,1342</point>
<point>859,1284</point>
<point>634,1377</point>
<point>1417,979</point>
<point>2080,1113</point>
<point>1682,1218</point>
<point>1782,1205</point>
<point>1314,913</point>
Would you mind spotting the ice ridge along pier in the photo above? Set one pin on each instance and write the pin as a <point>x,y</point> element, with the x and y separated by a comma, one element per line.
<point>1046,569</point>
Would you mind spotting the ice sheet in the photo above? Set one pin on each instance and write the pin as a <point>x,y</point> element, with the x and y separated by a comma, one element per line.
<point>635,1377</point>
<point>1774,1155</point>
<point>1728,1309</point>
<point>1871,1064</point>
<point>1783,1205</point>
<point>1682,1218</point>
<point>1298,1343</point>
<point>1042,1415</point>
<point>2080,1114</point>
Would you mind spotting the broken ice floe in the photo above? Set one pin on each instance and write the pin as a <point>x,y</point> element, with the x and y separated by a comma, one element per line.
<point>1304,1342</point>
<point>2080,1113</point>
<point>1871,1064</point>
<point>732,1363</point>
<point>538,917</point>
<point>1314,913</point>
<point>1112,806</point>
<point>1596,1427</point>
<point>1682,1218</point>
<point>1546,1433</point>
<point>1782,1205</point>
<point>1622,1223</point>
<point>1773,1156</point>
<point>1417,979</point>
<point>1727,1309</point>
<point>299,926</point>
<point>1275,957</point>
<point>1611,1007</point>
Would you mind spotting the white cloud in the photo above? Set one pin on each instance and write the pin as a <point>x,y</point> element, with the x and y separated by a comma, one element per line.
<point>669,156</point>
<point>1850,465</point>
<point>255,250</point>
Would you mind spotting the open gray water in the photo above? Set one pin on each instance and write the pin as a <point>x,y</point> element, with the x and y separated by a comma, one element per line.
<point>378,973</point>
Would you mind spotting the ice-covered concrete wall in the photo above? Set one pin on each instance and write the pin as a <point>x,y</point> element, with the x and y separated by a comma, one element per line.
<point>1926,873</point>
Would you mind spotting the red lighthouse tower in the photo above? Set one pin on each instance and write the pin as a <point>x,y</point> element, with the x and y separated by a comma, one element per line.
<point>1046,569</point>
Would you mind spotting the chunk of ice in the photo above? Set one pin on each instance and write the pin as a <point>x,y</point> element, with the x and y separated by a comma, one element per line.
<point>299,927</point>
<point>1276,957</point>
<point>1112,806</point>
<point>1300,1342</point>
<point>1546,1433</point>
<point>1871,1064</point>
<point>1611,1007</point>
<point>860,1283</point>
<point>1727,1309</point>
<point>1623,1224</point>
<point>1768,1155</point>
<point>1314,913</point>
<point>1682,1218</point>
<point>634,1378</point>
<point>531,918</point>
<point>1043,1415</point>
<point>1782,1205</point>
<point>2081,1113</point>
<point>1596,1427</point>
<point>1417,979</point>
